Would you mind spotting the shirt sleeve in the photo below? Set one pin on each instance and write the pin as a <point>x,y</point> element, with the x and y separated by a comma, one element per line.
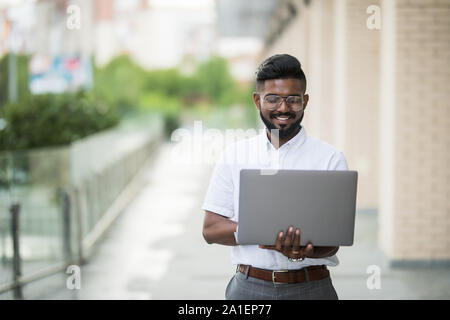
<point>220,193</point>
<point>338,162</point>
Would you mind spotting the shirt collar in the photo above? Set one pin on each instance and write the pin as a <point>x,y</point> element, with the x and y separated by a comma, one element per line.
<point>297,140</point>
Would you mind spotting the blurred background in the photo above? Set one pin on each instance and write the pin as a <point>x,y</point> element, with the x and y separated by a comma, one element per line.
<point>92,90</point>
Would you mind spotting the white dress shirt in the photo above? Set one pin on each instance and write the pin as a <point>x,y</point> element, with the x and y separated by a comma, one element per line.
<point>302,152</point>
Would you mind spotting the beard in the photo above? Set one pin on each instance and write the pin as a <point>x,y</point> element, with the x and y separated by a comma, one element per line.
<point>283,132</point>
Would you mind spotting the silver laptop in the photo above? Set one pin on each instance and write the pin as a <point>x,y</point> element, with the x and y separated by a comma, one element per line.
<point>321,204</point>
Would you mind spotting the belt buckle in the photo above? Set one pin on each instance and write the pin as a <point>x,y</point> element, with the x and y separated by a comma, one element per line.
<point>276,271</point>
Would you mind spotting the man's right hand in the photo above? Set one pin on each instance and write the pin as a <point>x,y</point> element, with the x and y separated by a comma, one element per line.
<point>219,229</point>
<point>290,247</point>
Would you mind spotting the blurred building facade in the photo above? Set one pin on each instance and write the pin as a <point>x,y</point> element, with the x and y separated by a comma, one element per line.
<point>241,28</point>
<point>379,75</point>
<point>155,33</point>
<point>52,33</point>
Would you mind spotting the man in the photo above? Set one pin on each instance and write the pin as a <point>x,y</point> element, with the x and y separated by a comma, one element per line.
<point>285,270</point>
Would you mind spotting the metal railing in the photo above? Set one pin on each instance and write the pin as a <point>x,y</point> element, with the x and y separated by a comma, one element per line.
<point>39,238</point>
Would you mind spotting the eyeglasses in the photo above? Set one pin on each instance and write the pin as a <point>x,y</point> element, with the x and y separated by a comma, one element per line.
<point>274,101</point>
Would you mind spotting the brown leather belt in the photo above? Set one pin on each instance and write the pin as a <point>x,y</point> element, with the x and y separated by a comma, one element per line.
<point>287,276</point>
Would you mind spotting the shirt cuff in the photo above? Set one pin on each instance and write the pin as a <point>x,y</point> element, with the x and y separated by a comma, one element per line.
<point>219,210</point>
<point>236,234</point>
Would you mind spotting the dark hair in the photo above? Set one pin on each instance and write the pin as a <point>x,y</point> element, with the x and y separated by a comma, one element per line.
<point>280,66</point>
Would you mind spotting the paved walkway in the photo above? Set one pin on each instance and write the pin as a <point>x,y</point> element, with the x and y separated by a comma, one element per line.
<point>155,250</point>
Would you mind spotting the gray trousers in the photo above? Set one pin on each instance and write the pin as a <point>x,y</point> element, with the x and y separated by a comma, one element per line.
<point>242,287</point>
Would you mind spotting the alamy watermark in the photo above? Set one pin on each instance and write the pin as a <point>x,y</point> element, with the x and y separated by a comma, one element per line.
<point>374,20</point>
<point>74,18</point>
<point>374,280</point>
<point>199,146</point>
<point>73,282</point>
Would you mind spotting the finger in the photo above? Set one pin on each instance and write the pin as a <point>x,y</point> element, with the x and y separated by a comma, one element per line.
<point>296,246</point>
<point>288,239</point>
<point>309,250</point>
<point>267,247</point>
<point>278,244</point>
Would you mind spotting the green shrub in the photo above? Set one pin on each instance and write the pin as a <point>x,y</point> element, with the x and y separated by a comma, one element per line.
<point>160,103</point>
<point>120,83</point>
<point>168,82</point>
<point>171,123</point>
<point>50,120</point>
<point>213,79</point>
<point>168,107</point>
<point>125,84</point>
